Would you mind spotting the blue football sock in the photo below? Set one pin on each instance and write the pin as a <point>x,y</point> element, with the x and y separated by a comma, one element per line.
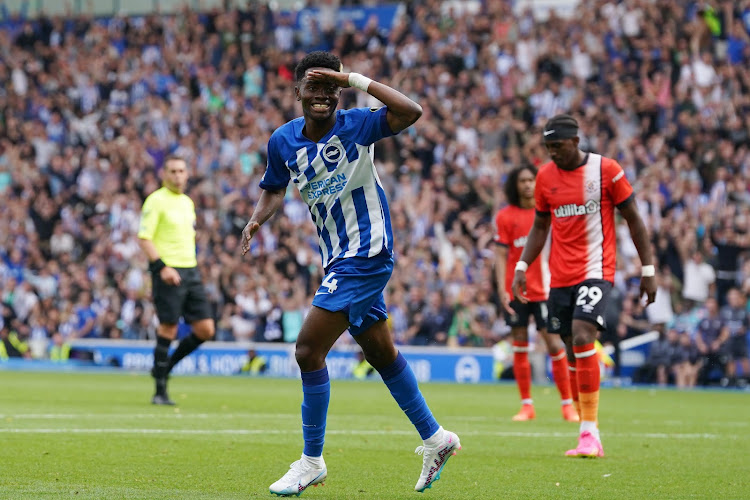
<point>403,386</point>
<point>316,391</point>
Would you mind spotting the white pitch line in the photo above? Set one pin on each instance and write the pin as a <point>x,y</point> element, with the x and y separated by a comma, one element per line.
<point>543,435</point>
<point>276,416</point>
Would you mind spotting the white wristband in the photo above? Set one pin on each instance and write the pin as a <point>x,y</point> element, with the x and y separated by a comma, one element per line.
<point>648,271</point>
<point>358,81</point>
<point>521,266</point>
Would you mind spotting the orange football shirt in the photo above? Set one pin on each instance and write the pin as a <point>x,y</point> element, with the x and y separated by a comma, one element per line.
<point>582,205</point>
<point>512,227</point>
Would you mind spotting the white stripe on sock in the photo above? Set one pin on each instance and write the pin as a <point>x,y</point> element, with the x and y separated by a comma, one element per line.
<point>585,354</point>
<point>558,357</point>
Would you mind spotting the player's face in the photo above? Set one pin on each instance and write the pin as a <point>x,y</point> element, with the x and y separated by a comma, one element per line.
<point>175,175</point>
<point>564,152</point>
<point>526,184</point>
<point>319,98</point>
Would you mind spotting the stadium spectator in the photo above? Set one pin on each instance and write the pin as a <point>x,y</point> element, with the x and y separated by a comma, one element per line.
<point>736,320</point>
<point>710,338</point>
<point>688,362</point>
<point>255,364</point>
<point>663,355</point>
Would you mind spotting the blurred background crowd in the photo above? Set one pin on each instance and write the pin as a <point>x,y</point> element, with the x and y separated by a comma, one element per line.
<point>90,108</point>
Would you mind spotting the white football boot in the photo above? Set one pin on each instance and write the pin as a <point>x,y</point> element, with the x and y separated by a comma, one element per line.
<point>298,478</point>
<point>435,457</point>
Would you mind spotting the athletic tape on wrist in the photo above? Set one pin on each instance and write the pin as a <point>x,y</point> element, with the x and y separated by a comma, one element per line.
<point>522,266</point>
<point>358,81</point>
<point>648,271</point>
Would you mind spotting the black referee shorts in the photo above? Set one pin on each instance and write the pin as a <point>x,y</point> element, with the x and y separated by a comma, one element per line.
<point>188,299</point>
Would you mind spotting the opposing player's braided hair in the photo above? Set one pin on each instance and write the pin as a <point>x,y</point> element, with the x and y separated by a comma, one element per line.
<point>511,184</point>
<point>317,59</point>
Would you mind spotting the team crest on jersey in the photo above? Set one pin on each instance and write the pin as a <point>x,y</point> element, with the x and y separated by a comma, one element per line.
<point>333,152</point>
<point>572,210</point>
<point>592,186</point>
<point>520,242</point>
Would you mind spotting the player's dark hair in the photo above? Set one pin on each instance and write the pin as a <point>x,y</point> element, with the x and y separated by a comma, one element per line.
<point>317,59</point>
<point>511,184</point>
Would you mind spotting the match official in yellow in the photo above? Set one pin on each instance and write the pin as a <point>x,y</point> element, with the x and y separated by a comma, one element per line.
<point>167,237</point>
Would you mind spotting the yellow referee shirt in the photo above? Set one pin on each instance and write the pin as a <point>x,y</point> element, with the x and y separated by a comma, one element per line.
<point>168,220</point>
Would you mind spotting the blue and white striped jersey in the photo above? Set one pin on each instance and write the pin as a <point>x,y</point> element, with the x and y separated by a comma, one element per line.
<point>337,179</point>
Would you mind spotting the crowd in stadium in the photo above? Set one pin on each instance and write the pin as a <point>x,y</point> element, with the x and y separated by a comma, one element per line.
<point>90,109</point>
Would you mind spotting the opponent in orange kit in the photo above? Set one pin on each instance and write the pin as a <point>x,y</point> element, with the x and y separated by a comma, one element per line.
<point>576,193</point>
<point>513,224</point>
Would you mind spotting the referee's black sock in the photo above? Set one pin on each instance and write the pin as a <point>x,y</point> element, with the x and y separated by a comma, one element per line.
<point>161,358</point>
<point>186,346</point>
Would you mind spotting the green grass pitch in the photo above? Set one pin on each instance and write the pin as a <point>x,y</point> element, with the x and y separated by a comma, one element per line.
<point>95,436</point>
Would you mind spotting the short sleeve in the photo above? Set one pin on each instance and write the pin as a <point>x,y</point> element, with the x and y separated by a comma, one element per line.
<point>617,184</point>
<point>368,125</point>
<point>277,174</point>
<point>149,219</point>
<point>501,229</point>
<point>541,202</point>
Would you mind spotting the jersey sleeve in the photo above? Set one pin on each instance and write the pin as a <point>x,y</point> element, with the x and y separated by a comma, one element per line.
<point>618,186</point>
<point>541,203</point>
<point>149,219</point>
<point>368,125</point>
<point>277,174</point>
<point>501,230</point>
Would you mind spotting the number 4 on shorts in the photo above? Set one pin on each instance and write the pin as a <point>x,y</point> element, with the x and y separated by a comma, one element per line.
<point>330,283</point>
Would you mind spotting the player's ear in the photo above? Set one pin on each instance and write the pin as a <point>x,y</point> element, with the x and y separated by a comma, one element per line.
<point>296,93</point>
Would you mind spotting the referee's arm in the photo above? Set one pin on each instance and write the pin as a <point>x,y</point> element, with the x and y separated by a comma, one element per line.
<point>169,275</point>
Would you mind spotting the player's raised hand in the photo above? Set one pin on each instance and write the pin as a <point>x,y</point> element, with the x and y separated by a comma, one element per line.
<point>648,288</point>
<point>519,287</point>
<point>247,234</point>
<point>328,75</point>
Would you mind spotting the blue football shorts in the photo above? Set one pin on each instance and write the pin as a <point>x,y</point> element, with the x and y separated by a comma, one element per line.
<point>355,286</point>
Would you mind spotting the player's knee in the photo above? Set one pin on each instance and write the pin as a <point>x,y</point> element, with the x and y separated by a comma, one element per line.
<point>380,356</point>
<point>554,344</point>
<point>204,329</point>
<point>168,330</point>
<point>308,357</point>
<point>520,334</point>
<point>583,332</point>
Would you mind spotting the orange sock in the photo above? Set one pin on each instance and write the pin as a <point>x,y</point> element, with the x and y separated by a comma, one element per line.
<point>522,370</point>
<point>587,371</point>
<point>574,387</point>
<point>561,373</point>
